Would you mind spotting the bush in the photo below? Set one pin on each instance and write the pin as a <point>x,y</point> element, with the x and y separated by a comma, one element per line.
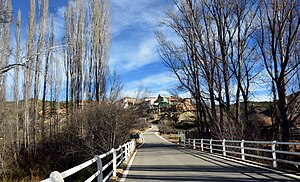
<point>90,131</point>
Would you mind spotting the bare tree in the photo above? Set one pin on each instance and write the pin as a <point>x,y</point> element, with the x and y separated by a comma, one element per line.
<point>5,49</point>
<point>42,30</point>
<point>87,39</point>
<point>142,91</point>
<point>115,85</point>
<point>242,58</point>
<point>28,74</point>
<point>5,44</point>
<point>5,12</point>
<point>278,42</point>
<point>90,44</point>
<point>182,60</point>
<point>214,53</point>
<point>46,70</point>
<point>101,34</point>
<point>17,81</point>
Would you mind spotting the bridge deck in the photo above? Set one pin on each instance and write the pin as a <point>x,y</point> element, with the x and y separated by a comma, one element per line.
<point>158,160</point>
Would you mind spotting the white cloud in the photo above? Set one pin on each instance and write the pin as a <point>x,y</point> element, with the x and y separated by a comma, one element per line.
<point>161,79</point>
<point>259,97</point>
<point>158,84</point>
<point>160,92</point>
<point>133,42</point>
<point>58,21</point>
<point>129,93</point>
<point>132,57</point>
<point>127,13</point>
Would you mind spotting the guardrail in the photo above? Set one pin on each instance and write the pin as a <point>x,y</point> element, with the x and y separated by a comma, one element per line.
<point>119,155</point>
<point>265,150</point>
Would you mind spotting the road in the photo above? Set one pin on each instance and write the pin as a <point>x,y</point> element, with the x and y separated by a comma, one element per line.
<point>158,160</point>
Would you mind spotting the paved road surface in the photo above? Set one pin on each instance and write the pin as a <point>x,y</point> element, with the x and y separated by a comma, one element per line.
<point>158,160</point>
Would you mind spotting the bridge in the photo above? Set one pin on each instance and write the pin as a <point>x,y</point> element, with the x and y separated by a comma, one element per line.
<point>195,160</point>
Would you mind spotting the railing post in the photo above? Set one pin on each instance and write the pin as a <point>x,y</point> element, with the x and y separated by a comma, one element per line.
<point>184,143</point>
<point>131,147</point>
<point>210,145</point>
<point>99,168</point>
<point>194,144</point>
<point>126,151</point>
<point>114,162</point>
<point>224,147</point>
<point>274,154</point>
<point>122,154</point>
<point>201,144</point>
<point>56,176</point>
<point>189,143</point>
<point>243,149</point>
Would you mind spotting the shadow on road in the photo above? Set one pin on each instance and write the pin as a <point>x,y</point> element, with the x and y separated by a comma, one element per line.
<point>158,145</point>
<point>158,160</point>
<point>189,178</point>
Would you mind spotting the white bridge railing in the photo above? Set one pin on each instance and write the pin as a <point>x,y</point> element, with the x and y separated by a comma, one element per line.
<point>270,151</point>
<point>119,155</point>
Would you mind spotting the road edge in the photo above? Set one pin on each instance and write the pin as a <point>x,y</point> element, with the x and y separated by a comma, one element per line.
<point>157,134</point>
<point>262,167</point>
<point>123,179</point>
<point>124,176</point>
<point>294,176</point>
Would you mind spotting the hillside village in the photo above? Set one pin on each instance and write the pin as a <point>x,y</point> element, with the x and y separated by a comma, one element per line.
<point>160,103</point>
<point>179,113</point>
<point>166,110</point>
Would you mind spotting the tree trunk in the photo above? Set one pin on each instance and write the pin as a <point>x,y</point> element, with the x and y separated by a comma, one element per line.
<point>17,76</point>
<point>285,125</point>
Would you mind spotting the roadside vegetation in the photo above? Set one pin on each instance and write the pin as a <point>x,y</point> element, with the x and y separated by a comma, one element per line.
<point>220,51</point>
<point>60,101</point>
<point>172,123</point>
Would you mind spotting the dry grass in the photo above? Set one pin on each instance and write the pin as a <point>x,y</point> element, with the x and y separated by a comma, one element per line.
<point>171,137</point>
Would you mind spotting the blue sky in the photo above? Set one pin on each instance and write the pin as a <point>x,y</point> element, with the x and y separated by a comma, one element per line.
<point>133,44</point>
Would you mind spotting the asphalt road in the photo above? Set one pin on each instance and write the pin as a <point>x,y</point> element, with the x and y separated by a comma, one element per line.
<point>158,160</point>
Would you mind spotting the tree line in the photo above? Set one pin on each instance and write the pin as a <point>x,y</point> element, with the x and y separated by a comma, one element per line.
<point>57,95</point>
<point>220,50</point>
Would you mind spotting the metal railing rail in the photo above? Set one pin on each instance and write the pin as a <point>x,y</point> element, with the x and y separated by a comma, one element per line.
<point>122,153</point>
<point>245,149</point>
